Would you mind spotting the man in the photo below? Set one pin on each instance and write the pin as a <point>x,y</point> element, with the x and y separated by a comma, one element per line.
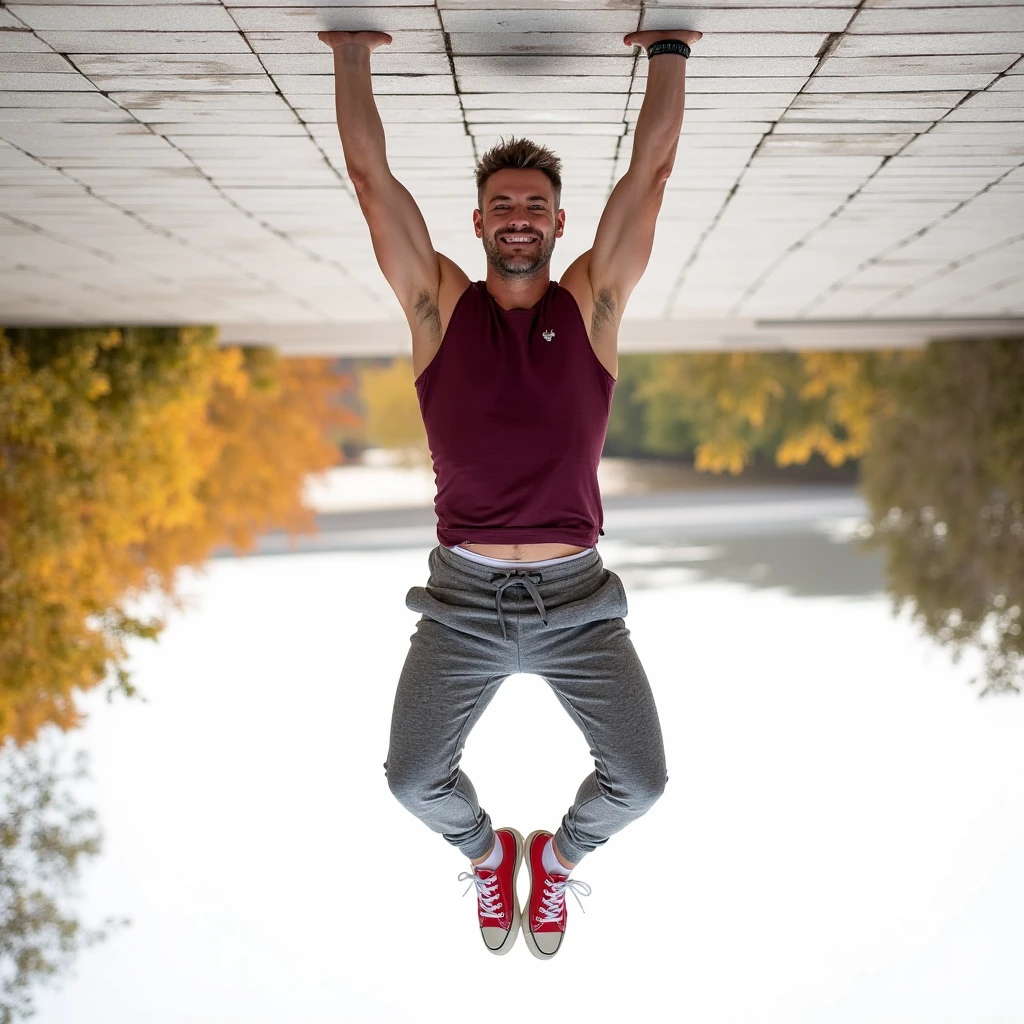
<point>515,376</point>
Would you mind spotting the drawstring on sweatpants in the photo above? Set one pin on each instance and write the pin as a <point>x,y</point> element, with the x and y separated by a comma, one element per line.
<point>510,579</point>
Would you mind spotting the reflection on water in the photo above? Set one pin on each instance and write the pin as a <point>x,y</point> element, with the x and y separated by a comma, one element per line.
<point>944,481</point>
<point>46,835</point>
<point>805,564</point>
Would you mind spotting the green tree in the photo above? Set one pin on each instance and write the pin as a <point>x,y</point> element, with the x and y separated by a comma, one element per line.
<point>944,480</point>
<point>45,837</point>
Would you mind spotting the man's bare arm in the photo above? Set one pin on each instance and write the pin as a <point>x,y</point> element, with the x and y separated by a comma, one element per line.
<point>401,241</point>
<point>625,234</point>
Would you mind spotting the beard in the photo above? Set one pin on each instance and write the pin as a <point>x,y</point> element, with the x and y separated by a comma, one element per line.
<point>527,265</point>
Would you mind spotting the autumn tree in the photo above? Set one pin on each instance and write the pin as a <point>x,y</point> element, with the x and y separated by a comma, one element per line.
<point>124,455</point>
<point>944,480</point>
<point>392,413</point>
<point>726,408</point>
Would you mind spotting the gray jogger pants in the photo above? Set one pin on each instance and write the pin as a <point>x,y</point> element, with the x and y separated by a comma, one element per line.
<point>479,625</point>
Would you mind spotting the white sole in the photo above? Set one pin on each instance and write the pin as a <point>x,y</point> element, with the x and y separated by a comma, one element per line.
<point>516,914</point>
<point>528,938</point>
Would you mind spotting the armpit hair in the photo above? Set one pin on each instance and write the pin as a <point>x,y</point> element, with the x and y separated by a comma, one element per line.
<point>428,315</point>
<point>604,311</point>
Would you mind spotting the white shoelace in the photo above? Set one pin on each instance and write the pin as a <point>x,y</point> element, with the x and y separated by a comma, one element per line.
<point>552,905</point>
<point>486,892</point>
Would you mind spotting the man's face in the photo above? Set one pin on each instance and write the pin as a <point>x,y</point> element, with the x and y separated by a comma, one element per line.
<point>518,222</point>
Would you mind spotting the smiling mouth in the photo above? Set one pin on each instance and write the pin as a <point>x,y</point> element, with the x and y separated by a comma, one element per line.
<point>516,240</point>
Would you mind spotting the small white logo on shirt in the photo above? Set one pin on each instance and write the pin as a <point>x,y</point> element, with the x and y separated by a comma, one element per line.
<point>548,335</point>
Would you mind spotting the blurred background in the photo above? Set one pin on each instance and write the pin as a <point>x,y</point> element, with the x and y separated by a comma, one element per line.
<point>205,552</point>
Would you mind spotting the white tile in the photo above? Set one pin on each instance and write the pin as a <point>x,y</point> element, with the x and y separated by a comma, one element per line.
<point>744,67</point>
<point>544,65</point>
<point>987,114</point>
<point>725,100</point>
<point>305,3</point>
<point>36,62</point>
<point>382,84</point>
<point>891,19</point>
<point>898,83</point>
<point>187,43</point>
<point>43,100</point>
<point>593,99</point>
<point>406,41</point>
<point>199,17</point>
<point>185,82</point>
<point>532,5</point>
<point>176,131</point>
<point>348,19</point>
<point>159,115</point>
<point>63,114</point>
<point>868,115</point>
<point>753,87</point>
<point>964,64</point>
<point>797,127</point>
<point>382,62</point>
<point>604,116</point>
<point>167,63</point>
<point>873,144</point>
<point>953,44</point>
<point>58,82</point>
<point>132,100</point>
<point>518,20</point>
<point>544,84</point>
<point>753,19</point>
<point>531,128</point>
<point>910,100</point>
<point>21,41</point>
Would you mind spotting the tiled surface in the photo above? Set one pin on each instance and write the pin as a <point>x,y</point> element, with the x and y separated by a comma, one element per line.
<point>842,166</point>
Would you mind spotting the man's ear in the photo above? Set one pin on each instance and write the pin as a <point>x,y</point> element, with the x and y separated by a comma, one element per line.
<point>478,223</point>
<point>559,223</point>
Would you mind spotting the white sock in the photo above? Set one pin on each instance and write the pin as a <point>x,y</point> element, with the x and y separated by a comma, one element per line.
<point>550,862</point>
<point>494,858</point>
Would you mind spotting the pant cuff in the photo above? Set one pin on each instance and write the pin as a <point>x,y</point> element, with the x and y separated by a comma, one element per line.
<point>479,847</point>
<point>568,849</point>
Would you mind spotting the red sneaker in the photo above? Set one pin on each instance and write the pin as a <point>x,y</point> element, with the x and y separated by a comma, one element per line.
<point>497,902</point>
<point>544,927</point>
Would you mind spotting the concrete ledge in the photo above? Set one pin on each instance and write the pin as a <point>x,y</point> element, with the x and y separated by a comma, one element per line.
<point>388,338</point>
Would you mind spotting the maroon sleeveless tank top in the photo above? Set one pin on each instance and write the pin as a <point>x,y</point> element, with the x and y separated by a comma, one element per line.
<point>515,404</point>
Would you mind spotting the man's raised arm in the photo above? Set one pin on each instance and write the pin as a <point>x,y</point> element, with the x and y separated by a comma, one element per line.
<point>625,234</point>
<point>399,233</point>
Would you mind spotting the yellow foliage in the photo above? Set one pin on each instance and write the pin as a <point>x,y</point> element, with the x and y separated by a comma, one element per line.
<point>393,418</point>
<point>733,405</point>
<point>123,456</point>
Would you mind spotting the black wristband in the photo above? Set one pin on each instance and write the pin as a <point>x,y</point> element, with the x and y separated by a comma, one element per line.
<point>668,46</point>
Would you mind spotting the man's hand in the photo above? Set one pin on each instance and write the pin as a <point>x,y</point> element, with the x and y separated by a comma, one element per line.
<point>371,40</point>
<point>645,39</point>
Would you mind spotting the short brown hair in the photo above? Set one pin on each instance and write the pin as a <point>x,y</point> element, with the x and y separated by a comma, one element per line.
<point>519,154</point>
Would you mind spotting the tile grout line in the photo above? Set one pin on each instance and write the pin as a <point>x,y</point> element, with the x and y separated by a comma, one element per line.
<point>44,272</point>
<point>447,40</point>
<point>830,43</point>
<point>1006,282</point>
<point>625,109</point>
<point>170,235</point>
<point>838,284</point>
<point>979,254</point>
